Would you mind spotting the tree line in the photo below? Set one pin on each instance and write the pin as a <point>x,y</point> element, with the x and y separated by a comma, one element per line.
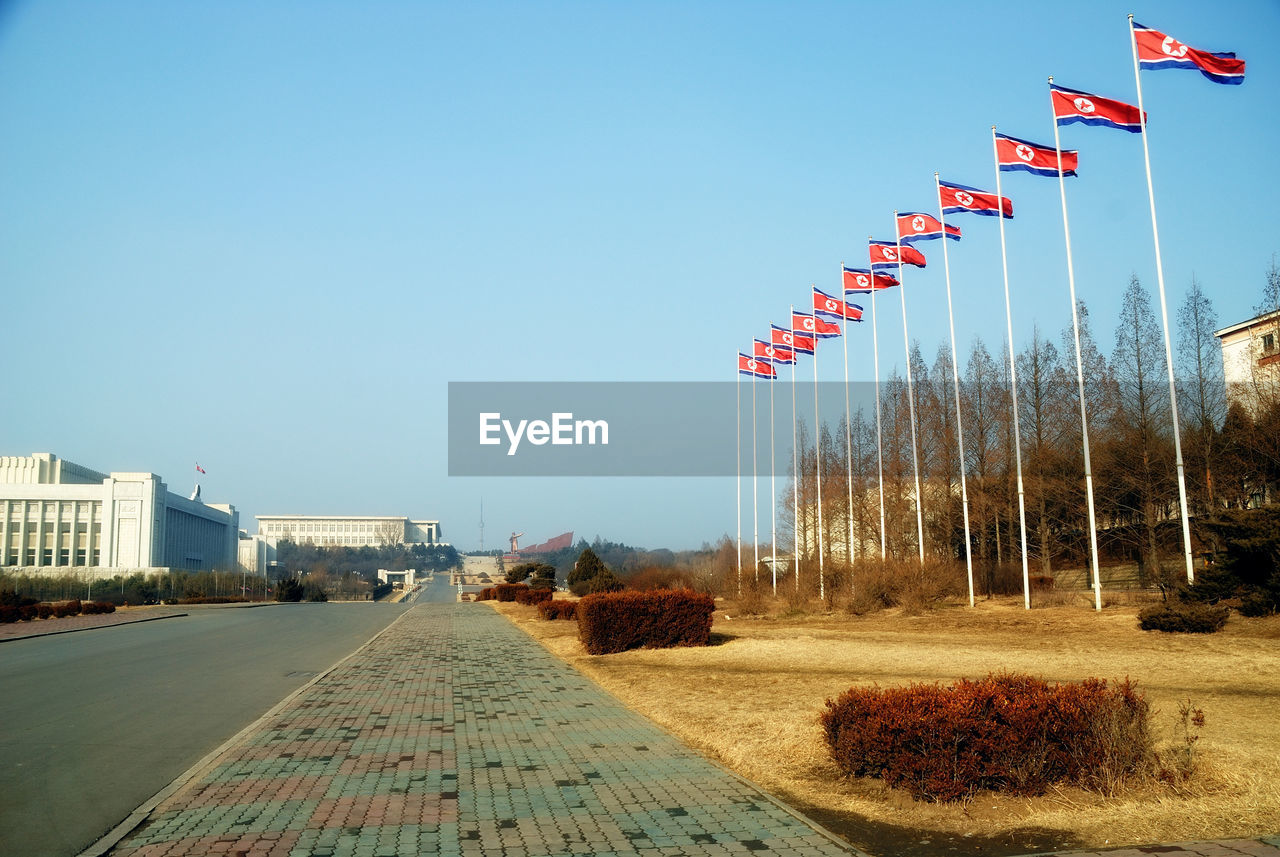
<point>1230,444</point>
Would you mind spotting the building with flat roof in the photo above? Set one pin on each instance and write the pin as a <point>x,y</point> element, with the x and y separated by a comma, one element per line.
<point>349,531</point>
<point>1251,360</point>
<point>55,514</point>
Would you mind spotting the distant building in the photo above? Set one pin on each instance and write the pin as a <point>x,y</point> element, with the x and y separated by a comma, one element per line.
<point>348,531</point>
<point>256,553</point>
<point>1251,360</point>
<point>55,514</point>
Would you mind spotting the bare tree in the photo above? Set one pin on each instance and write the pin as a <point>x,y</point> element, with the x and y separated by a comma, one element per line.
<point>1203,397</point>
<point>1139,474</point>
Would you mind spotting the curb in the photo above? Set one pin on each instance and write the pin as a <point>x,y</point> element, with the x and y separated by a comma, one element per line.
<point>93,627</point>
<point>139,815</point>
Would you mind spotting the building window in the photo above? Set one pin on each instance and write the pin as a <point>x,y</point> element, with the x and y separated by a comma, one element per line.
<point>1268,343</point>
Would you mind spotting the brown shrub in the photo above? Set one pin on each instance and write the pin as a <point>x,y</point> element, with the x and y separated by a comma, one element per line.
<point>558,610</point>
<point>507,591</point>
<point>533,596</point>
<point>617,621</point>
<point>1008,733</point>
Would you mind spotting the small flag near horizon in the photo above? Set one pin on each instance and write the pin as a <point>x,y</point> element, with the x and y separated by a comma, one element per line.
<point>775,354</point>
<point>860,281</point>
<point>957,198</point>
<point>199,469</point>
<point>884,254</point>
<point>1015,154</point>
<point>748,365</point>
<point>917,226</point>
<point>1157,51</point>
<point>1072,105</point>
<point>827,306</point>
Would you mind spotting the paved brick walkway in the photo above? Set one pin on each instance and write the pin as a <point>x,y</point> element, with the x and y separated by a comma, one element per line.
<point>454,733</point>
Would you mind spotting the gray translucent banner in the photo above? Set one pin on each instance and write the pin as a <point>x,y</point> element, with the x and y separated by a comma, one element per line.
<point>632,428</point>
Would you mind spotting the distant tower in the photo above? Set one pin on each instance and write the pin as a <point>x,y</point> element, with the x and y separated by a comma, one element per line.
<point>481,525</point>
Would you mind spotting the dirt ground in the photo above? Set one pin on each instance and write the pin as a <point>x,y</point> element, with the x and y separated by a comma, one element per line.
<point>751,701</point>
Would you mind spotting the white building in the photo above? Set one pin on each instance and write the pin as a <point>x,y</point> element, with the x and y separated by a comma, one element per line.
<point>1251,360</point>
<point>348,531</point>
<point>256,553</point>
<point>55,514</point>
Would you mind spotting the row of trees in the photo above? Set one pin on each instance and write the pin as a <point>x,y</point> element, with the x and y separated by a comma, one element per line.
<point>1231,448</point>
<point>337,561</point>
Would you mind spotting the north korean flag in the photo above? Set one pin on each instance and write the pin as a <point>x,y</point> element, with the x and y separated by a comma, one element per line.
<point>826,306</point>
<point>1015,154</point>
<point>797,344</point>
<point>755,368</point>
<point>917,226</point>
<point>860,281</point>
<point>1157,51</point>
<point>884,254</point>
<point>804,324</point>
<point>1072,105</point>
<point>775,354</point>
<point>956,198</point>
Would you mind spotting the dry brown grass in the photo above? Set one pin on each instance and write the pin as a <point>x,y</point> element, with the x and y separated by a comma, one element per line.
<point>752,699</point>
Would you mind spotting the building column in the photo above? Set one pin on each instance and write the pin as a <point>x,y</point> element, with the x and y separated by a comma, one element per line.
<point>54,558</point>
<point>22,536</point>
<point>5,509</point>
<point>39,557</point>
<point>73,543</point>
<point>88,535</point>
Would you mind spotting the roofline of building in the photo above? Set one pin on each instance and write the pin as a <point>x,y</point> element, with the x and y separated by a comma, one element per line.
<point>1257,319</point>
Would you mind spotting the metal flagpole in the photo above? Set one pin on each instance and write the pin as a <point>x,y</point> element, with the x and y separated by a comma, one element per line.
<point>911,396</point>
<point>817,456</point>
<point>755,476</point>
<point>795,453</point>
<point>875,348</point>
<point>1013,386</point>
<point>1075,329</point>
<point>848,432</point>
<point>773,489</point>
<point>1164,318</point>
<point>955,385</point>
<point>738,562</point>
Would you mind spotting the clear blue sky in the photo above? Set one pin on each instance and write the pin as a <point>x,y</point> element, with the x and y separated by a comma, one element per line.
<point>264,236</point>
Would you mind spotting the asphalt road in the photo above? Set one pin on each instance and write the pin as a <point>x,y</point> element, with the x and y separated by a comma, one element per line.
<point>95,722</point>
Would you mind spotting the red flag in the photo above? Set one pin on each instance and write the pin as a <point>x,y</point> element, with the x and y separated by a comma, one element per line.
<point>956,198</point>
<point>1157,51</point>
<point>755,368</point>
<point>917,226</point>
<point>1072,105</point>
<point>199,469</point>
<point>860,281</point>
<point>884,254</point>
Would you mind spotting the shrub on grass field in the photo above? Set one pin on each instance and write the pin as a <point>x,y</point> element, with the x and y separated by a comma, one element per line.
<point>558,610</point>
<point>1007,733</point>
<point>507,591</point>
<point>533,596</point>
<point>1186,618</point>
<point>616,621</point>
<point>44,610</point>
<point>485,594</point>
<point>91,608</point>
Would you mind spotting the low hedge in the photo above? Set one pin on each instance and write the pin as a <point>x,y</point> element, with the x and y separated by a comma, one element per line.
<point>558,610</point>
<point>617,621</point>
<point>213,599</point>
<point>1185,618</point>
<point>533,596</point>
<point>1006,733</point>
<point>507,591</point>
<point>91,608</point>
